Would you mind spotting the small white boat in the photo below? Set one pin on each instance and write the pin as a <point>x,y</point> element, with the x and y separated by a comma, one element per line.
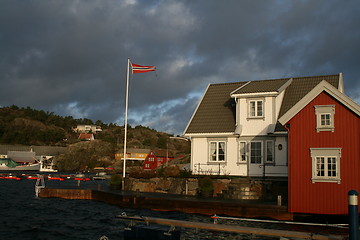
<point>7,164</point>
<point>99,176</point>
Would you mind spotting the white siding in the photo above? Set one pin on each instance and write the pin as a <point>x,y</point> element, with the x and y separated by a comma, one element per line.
<point>256,126</point>
<point>278,102</point>
<point>250,129</point>
<point>200,155</point>
<point>280,169</point>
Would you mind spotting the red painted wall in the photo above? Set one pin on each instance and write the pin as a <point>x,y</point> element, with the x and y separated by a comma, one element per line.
<point>323,198</point>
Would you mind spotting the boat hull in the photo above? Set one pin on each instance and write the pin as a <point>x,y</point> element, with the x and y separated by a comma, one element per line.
<point>30,167</point>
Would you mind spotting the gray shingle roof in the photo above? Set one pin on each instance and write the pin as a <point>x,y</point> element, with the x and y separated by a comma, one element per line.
<point>216,112</point>
<point>301,86</point>
<point>262,86</point>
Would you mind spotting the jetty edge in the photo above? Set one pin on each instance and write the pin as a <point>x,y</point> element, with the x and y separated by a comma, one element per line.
<point>179,203</point>
<point>191,205</point>
<point>284,234</point>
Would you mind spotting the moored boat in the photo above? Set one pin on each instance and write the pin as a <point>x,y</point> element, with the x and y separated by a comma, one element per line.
<point>55,178</point>
<point>7,164</point>
<point>47,164</point>
<point>82,179</point>
<point>9,177</point>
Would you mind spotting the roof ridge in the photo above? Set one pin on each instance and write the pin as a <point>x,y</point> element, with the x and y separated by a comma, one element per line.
<point>277,79</point>
<point>229,83</point>
<point>318,76</point>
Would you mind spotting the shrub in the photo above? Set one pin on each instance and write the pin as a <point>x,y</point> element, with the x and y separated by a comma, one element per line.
<point>171,171</point>
<point>143,174</point>
<point>115,180</point>
<point>185,174</point>
<point>206,187</point>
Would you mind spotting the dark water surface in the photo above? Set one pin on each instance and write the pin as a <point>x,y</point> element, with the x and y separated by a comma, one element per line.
<point>23,216</point>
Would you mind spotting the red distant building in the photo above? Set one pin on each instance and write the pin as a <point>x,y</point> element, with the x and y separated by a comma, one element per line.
<point>156,158</point>
<point>324,151</point>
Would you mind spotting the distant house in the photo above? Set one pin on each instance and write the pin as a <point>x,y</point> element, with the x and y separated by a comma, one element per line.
<point>137,154</point>
<point>156,158</point>
<point>86,136</point>
<point>324,151</point>
<point>87,129</point>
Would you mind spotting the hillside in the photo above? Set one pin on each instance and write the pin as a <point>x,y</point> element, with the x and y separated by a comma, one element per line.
<point>27,126</point>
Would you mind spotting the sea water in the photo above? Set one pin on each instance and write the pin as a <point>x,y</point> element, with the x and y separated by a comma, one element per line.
<point>23,216</point>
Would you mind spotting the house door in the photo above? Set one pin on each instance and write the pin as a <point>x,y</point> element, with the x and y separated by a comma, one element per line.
<point>256,167</point>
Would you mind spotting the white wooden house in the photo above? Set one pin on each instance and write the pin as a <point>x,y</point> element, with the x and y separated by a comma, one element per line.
<point>235,129</point>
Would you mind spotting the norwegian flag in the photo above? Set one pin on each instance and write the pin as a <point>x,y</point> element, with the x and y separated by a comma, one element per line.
<point>141,69</point>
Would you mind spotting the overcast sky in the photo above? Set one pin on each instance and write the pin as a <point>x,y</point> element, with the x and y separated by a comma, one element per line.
<point>69,57</point>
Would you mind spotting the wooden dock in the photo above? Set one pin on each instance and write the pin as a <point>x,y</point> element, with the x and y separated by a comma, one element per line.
<point>181,204</point>
<point>233,228</point>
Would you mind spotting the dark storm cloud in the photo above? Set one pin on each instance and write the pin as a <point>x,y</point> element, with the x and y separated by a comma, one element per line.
<point>70,57</point>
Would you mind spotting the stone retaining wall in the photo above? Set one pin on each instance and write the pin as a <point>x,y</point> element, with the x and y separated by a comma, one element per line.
<point>235,188</point>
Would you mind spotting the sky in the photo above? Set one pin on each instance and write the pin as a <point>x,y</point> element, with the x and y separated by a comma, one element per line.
<point>69,57</point>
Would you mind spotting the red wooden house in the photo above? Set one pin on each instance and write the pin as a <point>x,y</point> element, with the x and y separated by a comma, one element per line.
<point>324,151</point>
<point>156,158</point>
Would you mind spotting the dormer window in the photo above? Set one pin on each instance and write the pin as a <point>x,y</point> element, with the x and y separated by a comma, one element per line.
<point>325,117</point>
<point>256,108</point>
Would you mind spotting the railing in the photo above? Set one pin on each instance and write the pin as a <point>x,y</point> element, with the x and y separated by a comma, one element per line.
<point>220,169</point>
<point>208,169</point>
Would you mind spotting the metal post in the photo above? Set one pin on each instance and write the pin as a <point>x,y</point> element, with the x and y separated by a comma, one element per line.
<point>353,215</point>
<point>279,200</point>
<point>126,116</point>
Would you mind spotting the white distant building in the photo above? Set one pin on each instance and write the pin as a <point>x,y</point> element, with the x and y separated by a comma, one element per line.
<point>87,129</point>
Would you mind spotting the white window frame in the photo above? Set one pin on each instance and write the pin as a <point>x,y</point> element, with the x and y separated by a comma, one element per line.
<point>217,146</point>
<point>243,157</point>
<point>272,161</point>
<point>325,110</point>
<point>256,108</point>
<point>251,151</point>
<point>326,154</point>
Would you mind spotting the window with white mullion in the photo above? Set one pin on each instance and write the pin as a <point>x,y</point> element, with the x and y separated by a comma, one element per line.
<point>259,105</point>
<point>242,152</point>
<point>326,167</point>
<point>217,151</point>
<point>256,108</point>
<point>320,166</point>
<point>252,108</point>
<point>331,170</point>
<point>325,117</point>
<point>326,164</point>
<point>256,152</point>
<point>270,151</point>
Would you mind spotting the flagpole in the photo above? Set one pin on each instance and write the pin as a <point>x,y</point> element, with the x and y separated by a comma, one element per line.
<point>126,116</point>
